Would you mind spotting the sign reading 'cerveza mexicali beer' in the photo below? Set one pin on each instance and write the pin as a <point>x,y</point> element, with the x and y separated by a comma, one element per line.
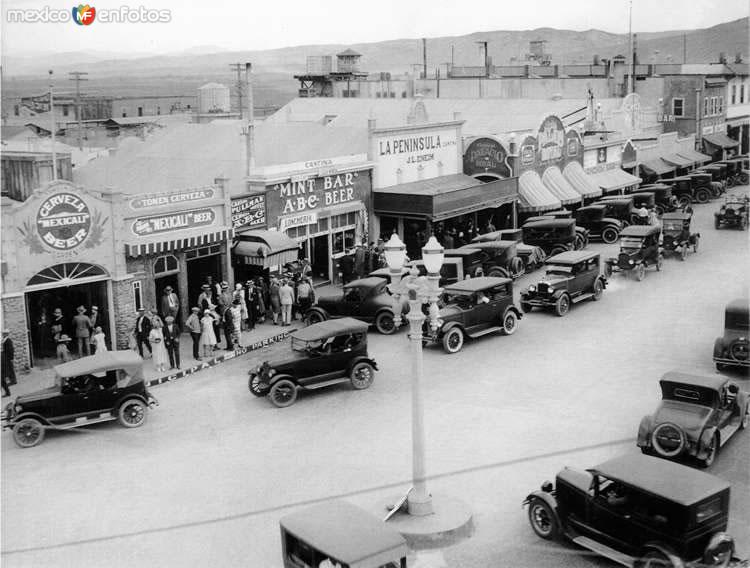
<point>157,224</point>
<point>63,221</point>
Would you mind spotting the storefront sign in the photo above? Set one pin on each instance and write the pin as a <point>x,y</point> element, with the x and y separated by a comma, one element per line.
<point>528,155</point>
<point>298,220</point>
<point>486,155</point>
<point>707,130</point>
<point>551,140</point>
<point>63,221</point>
<point>294,197</point>
<point>601,155</point>
<point>158,224</point>
<point>249,211</point>
<point>160,199</point>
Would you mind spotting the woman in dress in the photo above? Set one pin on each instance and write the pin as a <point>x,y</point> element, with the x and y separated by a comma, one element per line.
<point>241,295</point>
<point>236,313</point>
<point>208,337</point>
<point>98,340</point>
<point>158,349</point>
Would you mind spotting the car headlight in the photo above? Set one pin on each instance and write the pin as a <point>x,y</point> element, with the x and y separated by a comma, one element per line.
<point>532,288</point>
<point>551,289</point>
<point>674,243</point>
<point>631,261</point>
<point>271,373</point>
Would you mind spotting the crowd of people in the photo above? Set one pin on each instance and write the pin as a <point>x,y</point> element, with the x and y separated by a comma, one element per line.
<point>361,260</point>
<point>83,333</point>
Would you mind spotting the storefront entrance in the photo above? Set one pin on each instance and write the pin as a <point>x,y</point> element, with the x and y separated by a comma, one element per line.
<point>198,269</point>
<point>319,257</point>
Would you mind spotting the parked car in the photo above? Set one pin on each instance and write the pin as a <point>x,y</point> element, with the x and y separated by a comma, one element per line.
<point>665,202</point>
<point>639,249</point>
<point>731,349</point>
<point>474,308</point>
<point>102,387</point>
<point>704,179</point>
<point>531,255</point>
<point>639,511</point>
<point>500,258</point>
<point>676,233</point>
<point>697,416</point>
<point>718,178</point>
<point>733,213</point>
<point>619,207</point>
<point>552,235</point>
<point>571,277</point>
<point>687,190</point>
<point>736,171</point>
<point>385,273</point>
<point>323,354</point>
<point>367,299</point>
<point>338,534</point>
<point>515,235</point>
<point>582,234</point>
<point>594,218</point>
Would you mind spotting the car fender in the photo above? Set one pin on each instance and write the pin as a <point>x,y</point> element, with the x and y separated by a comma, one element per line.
<point>549,499</point>
<point>361,359</point>
<point>276,378</point>
<point>664,549</point>
<point>34,415</point>
<point>719,347</point>
<point>514,309</point>
<point>644,431</point>
<point>317,310</point>
<point>129,396</point>
<point>704,441</point>
<point>557,293</point>
<point>448,326</point>
<point>603,280</point>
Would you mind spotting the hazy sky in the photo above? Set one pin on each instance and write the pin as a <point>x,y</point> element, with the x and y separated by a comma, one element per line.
<point>264,24</point>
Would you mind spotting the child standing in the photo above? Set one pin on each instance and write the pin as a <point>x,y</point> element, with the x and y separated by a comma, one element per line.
<point>208,337</point>
<point>63,354</point>
<point>98,340</point>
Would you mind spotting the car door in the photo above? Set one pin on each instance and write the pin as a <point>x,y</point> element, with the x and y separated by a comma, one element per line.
<point>351,301</point>
<point>588,271</point>
<point>612,517</point>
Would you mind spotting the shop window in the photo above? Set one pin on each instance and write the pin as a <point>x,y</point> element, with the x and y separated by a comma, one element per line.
<point>297,232</point>
<point>734,94</point>
<point>203,251</point>
<point>742,93</point>
<point>343,241</point>
<point>166,263</point>
<point>705,106</point>
<point>66,272</point>
<point>678,107</point>
<point>721,105</point>
<point>137,295</point>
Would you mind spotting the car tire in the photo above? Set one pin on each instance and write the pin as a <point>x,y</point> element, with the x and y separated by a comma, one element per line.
<point>517,268</point>
<point>713,449</point>
<point>610,235</point>
<point>745,422</point>
<point>385,323</point>
<point>283,393</point>
<point>132,413</point>
<point>717,223</point>
<point>683,252</point>
<point>580,242</point>
<point>362,376</point>
<point>497,272</point>
<point>453,340</point>
<point>607,269</point>
<point>562,306</point>
<point>696,241</point>
<point>28,432</point>
<point>655,559</point>
<point>314,317</point>
<point>702,195</point>
<point>598,290</point>
<point>557,249</point>
<point>659,262</point>
<point>640,272</point>
<point>543,520</point>
<point>257,386</point>
<point>659,449</point>
<point>510,322</point>
<point>684,201</point>
<point>659,210</point>
<point>526,307</point>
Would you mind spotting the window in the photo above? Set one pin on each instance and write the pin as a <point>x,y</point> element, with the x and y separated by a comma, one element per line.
<point>705,106</point>
<point>721,105</point>
<point>707,510</point>
<point>65,110</point>
<point>166,263</point>
<point>678,107</point>
<point>203,251</point>
<point>137,296</point>
<point>140,111</point>
<point>712,107</point>
<point>16,110</point>
<point>688,394</point>
<point>734,94</point>
<point>124,112</point>
<point>742,93</point>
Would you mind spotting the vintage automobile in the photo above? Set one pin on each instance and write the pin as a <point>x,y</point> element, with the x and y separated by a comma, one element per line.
<point>731,349</point>
<point>686,190</point>
<point>571,277</point>
<point>676,233</point>
<point>323,354</point>
<point>337,534</point>
<point>102,387</point>
<point>385,273</point>
<point>552,235</point>
<point>718,177</point>
<point>736,171</point>
<point>733,213</point>
<point>474,308</point>
<point>367,299</point>
<point>704,179</point>
<point>515,235</point>
<point>697,416</point>
<point>499,258</point>
<point>619,207</point>
<point>531,255</point>
<point>594,218</point>
<point>582,234</point>
<point>639,249</point>
<point>665,202</point>
<point>639,511</point>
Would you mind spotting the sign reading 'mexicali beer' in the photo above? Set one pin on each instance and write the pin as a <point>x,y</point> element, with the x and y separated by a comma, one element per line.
<point>63,221</point>
<point>157,224</point>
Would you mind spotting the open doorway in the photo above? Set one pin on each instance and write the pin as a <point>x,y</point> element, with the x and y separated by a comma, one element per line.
<point>198,269</point>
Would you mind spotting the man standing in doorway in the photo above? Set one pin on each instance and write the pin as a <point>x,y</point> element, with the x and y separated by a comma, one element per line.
<point>170,304</point>
<point>82,326</point>
<point>142,329</point>
<point>172,341</point>
<point>193,324</point>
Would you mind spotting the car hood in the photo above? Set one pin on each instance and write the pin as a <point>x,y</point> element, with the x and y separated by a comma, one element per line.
<point>450,312</point>
<point>49,392</point>
<point>690,417</point>
<point>292,360</point>
<point>554,279</point>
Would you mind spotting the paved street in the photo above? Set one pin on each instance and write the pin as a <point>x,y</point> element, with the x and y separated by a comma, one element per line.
<point>205,480</point>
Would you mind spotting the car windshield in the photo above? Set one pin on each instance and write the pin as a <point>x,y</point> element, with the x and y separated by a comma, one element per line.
<point>302,346</point>
<point>630,243</point>
<point>672,225</point>
<point>559,269</point>
<point>457,298</point>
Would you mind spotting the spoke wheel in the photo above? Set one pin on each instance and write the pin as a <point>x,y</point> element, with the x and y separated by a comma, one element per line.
<point>362,375</point>
<point>543,520</point>
<point>132,413</point>
<point>283,393</point>
<point>702,196</point>
<point>654,559</point>
<point>610,235</point>
<point>598,290</point>
<point>712,450</point>
<point>314,317</point>
<point>562,306</point>
<point>510,323</point>
<point>28,432</point>
<point>453,340</point>
<point>385,324</point>
<point>257,385</point>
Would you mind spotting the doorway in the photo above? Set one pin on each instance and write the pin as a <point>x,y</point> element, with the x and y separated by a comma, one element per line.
<point>320,256</point>
<point>197,271</point>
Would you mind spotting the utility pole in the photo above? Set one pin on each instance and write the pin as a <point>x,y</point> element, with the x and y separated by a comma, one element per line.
<point>54,126</point>
<point>684,48</point>
<point>238,67</point>
<point>78,76</point>
<point>424,58</point>
<point>486,58</point>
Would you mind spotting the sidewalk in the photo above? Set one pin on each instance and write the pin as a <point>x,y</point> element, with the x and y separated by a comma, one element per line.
<point>260,338</point>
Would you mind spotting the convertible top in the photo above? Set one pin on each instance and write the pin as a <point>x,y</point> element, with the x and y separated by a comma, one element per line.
<point>548,222</point>
<point>678,483</point>
<point>101,362</point>
<point>484,245</point>
<point>713,382</point>
<point>571,257</point>
<point>676,216</point>
<point>640,231</point>
<point>330,328</point>
<point>368,282</point>
<point>476,284</point>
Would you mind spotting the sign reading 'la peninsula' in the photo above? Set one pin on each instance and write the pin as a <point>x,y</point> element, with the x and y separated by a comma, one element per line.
<point>410,144</point>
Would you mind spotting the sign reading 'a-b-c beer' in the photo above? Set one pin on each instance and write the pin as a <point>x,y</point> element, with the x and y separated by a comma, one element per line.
<point>63,221</point>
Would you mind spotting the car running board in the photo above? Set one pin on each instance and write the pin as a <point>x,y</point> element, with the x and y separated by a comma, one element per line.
<point>582,297</point>
<point>326,383</point>
<point>83,421</point>
<point>731,427</point>
<point>604,550</point>
<point>485,331</point>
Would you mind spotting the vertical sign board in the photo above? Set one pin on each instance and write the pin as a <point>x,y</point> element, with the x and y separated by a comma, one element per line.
<point>527,159</point>
<point>551,141</point>
<point>573,147</point>
<point>249,212</point>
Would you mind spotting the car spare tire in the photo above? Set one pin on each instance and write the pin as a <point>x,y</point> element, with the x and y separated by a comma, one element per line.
<point>668,440</point>
<point>738,350</point>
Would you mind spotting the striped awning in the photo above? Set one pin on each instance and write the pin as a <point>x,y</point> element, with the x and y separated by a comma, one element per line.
<point>581,181</point>
<point>261,247</point>
<point>721,140</point>
<point>677,160</point>
<point>143,249</point>
<point>696,157</point>
<point>555,181</point>
<point>533,195</point>
<point>614,180</point>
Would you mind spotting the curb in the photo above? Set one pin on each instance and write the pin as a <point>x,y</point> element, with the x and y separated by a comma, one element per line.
<point>216,360</point>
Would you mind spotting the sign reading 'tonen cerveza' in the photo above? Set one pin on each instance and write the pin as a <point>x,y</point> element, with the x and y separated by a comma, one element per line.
<point>157,224</point>
<point>63,221</point>
<point>161,199</point>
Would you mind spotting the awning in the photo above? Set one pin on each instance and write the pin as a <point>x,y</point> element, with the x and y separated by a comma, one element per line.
<point>554,180</point>
<point>443,197</point>
<point>581,181</point>
<point>721,140</point>
<point>138,249</point>
<point>265,248</point>
<point>694,156</point>
<point>614,180</point>
<point>533,195</point>
<point>657,167</point>
<point>738,121</point>
<point>677,160</point>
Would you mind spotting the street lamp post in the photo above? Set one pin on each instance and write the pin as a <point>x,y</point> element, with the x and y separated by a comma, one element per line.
<point>419,290</point>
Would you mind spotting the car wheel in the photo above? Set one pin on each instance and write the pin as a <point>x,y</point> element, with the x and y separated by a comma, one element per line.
<point>314,317</point>
<point>668,440</point>
<point>362,375</point>
<point>659,262</point>
<point>543,520</point>
<point>557,249</point>
<point>598,290</point>
<point>607,269</point>
<point>695,243</point>
<point>516,267</point>
<point>28,432</point>
<point>717,223</point>
<point>684,201</point>
<point>683,252</point>
<point>257,385</point>
<point>562,306</point>
<point>610,235</point>
<point>132,413</point>
<point>659,210</point>
<point>283,393</point>
<point>712,450</point>
<point>719,552</point>
<point>730,182</point>
<point>384,323</point>
<point>655,559</point>
<point>702,196</point>
<point>510,323</point>
<point>640,272</point>
<point>580,242</point>
<point>497,272</point>
<point>745,417</point>
<point>526,307</point>
<point>453,340</point>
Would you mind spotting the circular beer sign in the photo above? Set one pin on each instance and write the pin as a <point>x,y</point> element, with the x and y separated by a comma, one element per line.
<point>63,221</point>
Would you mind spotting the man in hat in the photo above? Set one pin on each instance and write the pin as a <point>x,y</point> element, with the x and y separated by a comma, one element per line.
<point>82,326</point>
<point>171,333</point>
<point>193,324</point>
<point>205,299</point>
<point>141,331</point>
<point>57,324</point>
<point>170,303</point>
<point>8,367</point>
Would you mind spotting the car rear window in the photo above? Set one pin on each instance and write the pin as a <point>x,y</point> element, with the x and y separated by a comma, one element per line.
<point>688,394</point>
